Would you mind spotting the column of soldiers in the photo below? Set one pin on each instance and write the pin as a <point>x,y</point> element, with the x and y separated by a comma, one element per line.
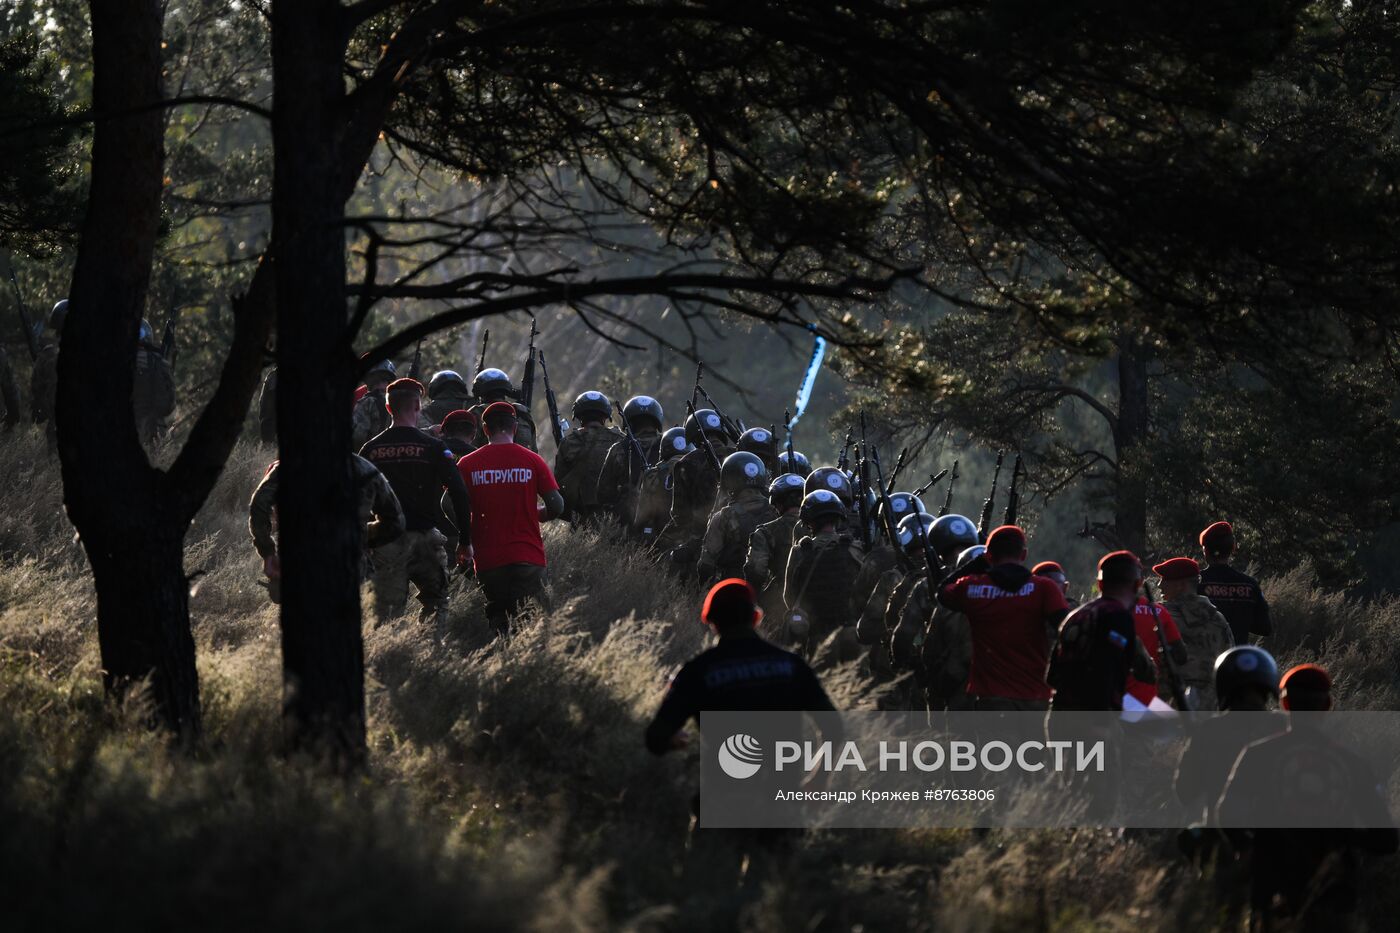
<point>153,385</point>
<point>948,615</point>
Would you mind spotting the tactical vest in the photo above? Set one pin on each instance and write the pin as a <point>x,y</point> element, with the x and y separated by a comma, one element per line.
<point>580,463</point>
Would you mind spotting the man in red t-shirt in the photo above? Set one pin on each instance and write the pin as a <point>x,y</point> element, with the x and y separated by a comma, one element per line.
<point>505,482</point>
<point>1012,615</point>
<point>1146,627</point>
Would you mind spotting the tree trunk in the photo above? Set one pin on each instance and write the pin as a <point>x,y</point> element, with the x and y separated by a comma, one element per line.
<point>323,653</point>
<point>1130,510</point>
<point>117,501</point>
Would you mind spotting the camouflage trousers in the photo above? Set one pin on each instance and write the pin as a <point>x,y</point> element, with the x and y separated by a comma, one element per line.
<point>417,557</point>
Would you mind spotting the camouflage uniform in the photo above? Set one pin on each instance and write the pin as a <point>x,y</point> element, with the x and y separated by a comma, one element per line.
<point>9,391</point>
<point>766,564</point>
<point>369,419</point>
<point>1206,635</point>
<point>654,501</point>
<point>942,640</point>
<point>153,392</point>
<point>880,560</point>
<point>380,514</point>
<point>726,543</point>
<point>821,573</point>
<point>872,628</point>
<point>620,479</point>
<point>578,465</point>
<point>695,481</point>
<point>525,433</point>
<point>451,399</point>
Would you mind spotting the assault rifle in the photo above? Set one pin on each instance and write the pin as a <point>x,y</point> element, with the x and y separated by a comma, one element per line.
<point>636,448</point>
<point>886,509</point>
<point>948,499</point>
<point>481,360</point>
<point>894,474</point>
<point>731,429</point>
<point>863,484</point>
<point>558,424</point>
<point>31,339</point>
<point>843,461</point>
<point>527,381</point>
<point>1178,689</point>
<point>1013,499</point>
<point>933,480</point>
<point>984,527</point>
<point>416,367</point>
<point>705,440</point>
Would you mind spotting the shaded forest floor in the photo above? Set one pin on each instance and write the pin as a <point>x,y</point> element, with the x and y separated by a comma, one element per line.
<point>508,787</point>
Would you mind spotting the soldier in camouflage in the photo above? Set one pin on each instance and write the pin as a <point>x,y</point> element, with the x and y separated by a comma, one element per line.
<point>821,573</point>
<point>654,491</point>
<point>1205,633</point>
<point>695,482</point>
<point>761,443</point>
<point>493,385</point>
<point>447,392</point>
<point>939,637</point>
<point>623,467</point>
<point>370,418</point>
<point>879,619</point>
<point>381,517</point>
<point>771,543</point>
<point>579,461</point>
<point>884,557</point>
<point>743,479</point>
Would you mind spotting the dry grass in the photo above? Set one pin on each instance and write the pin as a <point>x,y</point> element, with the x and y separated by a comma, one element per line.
<point>508,788</point>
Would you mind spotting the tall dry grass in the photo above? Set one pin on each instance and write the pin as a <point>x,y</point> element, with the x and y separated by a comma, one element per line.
<point>508,787</point>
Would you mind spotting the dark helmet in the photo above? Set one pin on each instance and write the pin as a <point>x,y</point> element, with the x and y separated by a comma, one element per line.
<point>832,480</point>
<point>641,408</point>
<point>1241,667</point>
<point>385,371</point>
<point>707,417</point>
<point>970,554</point>
<point>743,470</point>
<point>760,442</point>
<point>144,333</point>
<point>952,533</point>
<point>673,444</point>
<point>445,379</point>
<point>821,506</point>
<point>785,491</point>
<point>798,463</point>
<point>592,403</point>
<point>910,537</point>
<point>902,504</point>
<point>56,316</point>
<point>492,384</point>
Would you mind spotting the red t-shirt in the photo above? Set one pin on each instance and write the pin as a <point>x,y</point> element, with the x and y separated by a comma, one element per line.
<point>504,482</point>
<point>1147,634</point>
<point>1010,634</point>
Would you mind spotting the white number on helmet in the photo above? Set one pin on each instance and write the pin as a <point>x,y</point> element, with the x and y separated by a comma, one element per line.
<point>751,470</point>
<point>834,481</point>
